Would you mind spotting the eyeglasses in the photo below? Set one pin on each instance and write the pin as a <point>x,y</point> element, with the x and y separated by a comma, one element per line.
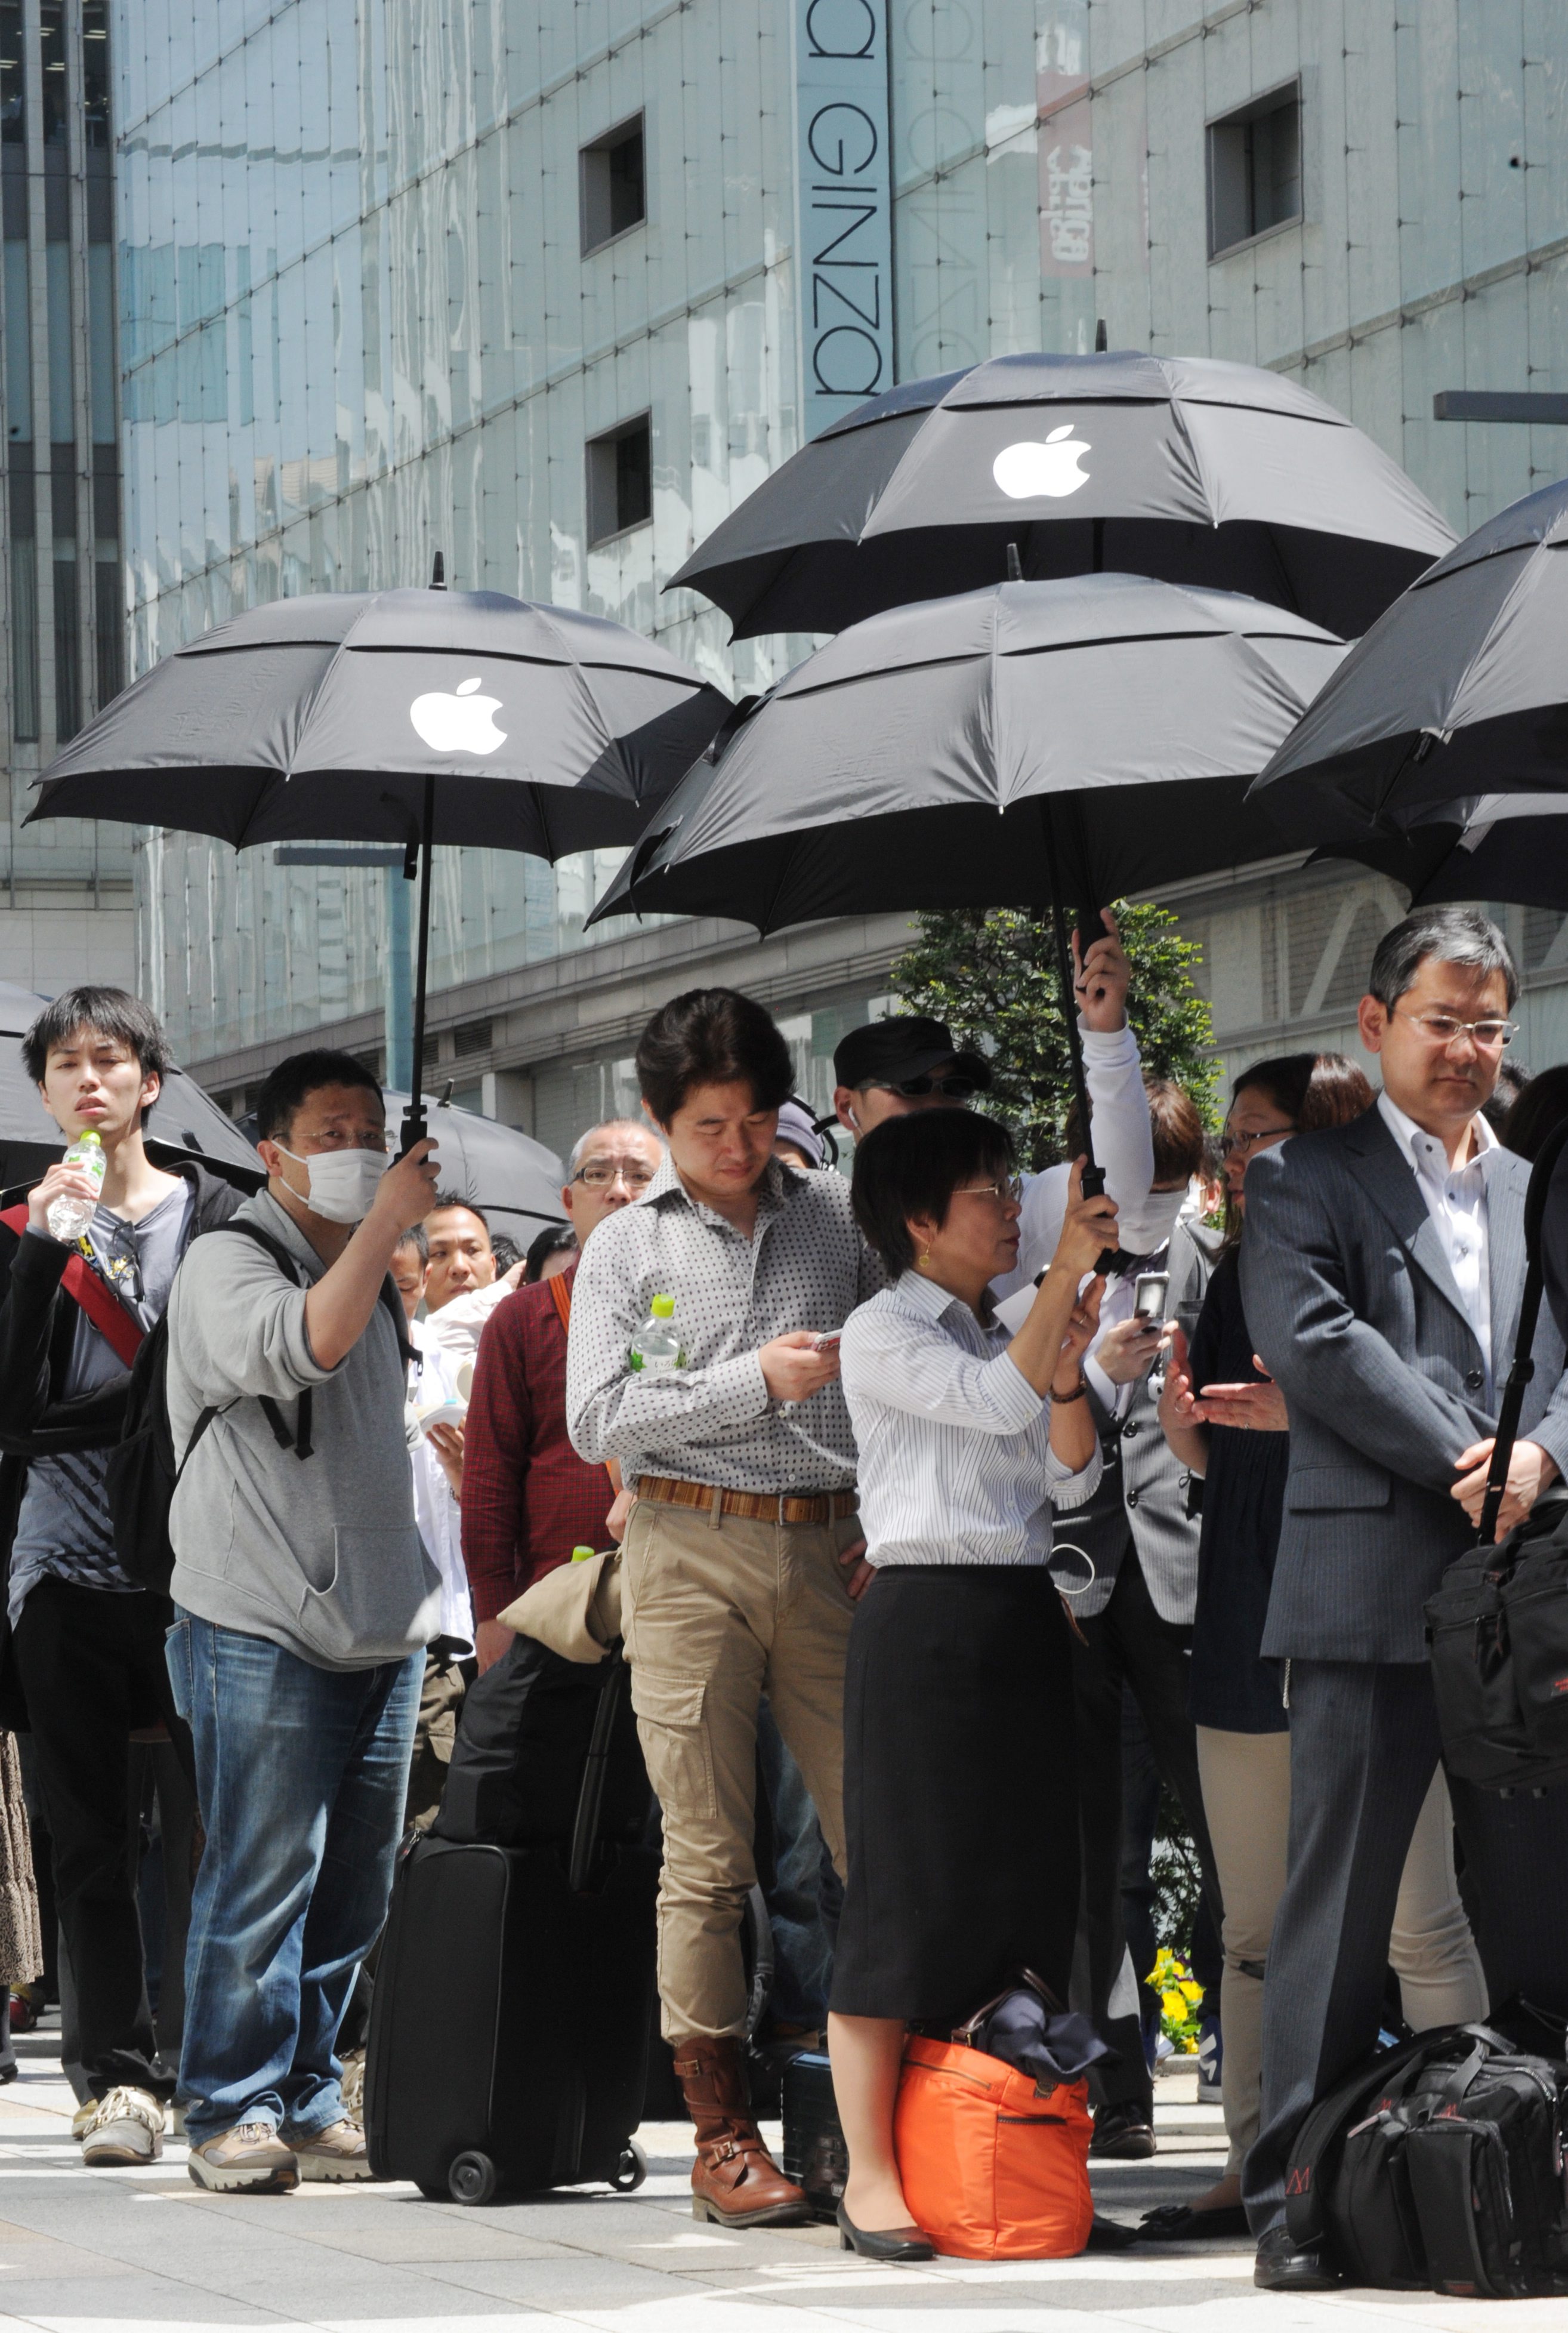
<point>599,1176</point>
<point>1445,1029</point>
<point>1247,1143</point>
<point>1010,1190</point>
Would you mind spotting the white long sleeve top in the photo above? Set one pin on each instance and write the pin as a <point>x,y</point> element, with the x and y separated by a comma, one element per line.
<point>956,1464</point>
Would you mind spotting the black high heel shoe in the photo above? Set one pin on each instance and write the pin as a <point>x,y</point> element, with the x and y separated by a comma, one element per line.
<point>884,2244</point>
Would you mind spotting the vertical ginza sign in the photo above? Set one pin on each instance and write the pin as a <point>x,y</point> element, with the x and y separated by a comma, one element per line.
<point>843,207</point>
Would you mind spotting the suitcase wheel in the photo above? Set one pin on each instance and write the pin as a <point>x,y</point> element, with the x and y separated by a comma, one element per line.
<point>630,2171</point>
<point>471,2179</point>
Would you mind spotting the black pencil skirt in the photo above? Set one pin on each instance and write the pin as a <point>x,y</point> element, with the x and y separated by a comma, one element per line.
<point>959,1795</point>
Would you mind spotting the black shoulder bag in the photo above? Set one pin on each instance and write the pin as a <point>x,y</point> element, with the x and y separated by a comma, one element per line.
<point>1497,1628</point>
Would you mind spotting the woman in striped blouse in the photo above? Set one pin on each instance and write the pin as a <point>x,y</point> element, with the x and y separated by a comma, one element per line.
<point>959,1804</point>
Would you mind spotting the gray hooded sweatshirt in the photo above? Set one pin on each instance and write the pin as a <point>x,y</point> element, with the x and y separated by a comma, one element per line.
<point>319,1555</point>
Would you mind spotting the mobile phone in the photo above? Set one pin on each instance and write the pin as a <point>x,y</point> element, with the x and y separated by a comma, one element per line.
<point>828,1342</point>
<point>1149,1293</point>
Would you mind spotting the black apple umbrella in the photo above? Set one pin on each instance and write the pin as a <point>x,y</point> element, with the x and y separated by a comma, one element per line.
<point>1459,692</point>
<point>183,1121</point>
<point>1180,467</point>
<point>403,716</point>
<point>1503,846</point>
<point>1031,741</point>
<point>513,1179</point>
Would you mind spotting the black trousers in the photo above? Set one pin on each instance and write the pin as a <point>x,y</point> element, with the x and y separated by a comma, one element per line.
<point>91,1666</point>
<point>1364,1748</point>
<point>1128,1645</point>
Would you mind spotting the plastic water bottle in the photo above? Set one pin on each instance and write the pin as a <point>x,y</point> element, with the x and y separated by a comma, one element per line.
<point>657,1343</point>
<point>69,1218</point>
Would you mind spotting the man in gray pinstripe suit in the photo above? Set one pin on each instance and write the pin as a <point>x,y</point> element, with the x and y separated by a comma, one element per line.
<point>1382,1268</point>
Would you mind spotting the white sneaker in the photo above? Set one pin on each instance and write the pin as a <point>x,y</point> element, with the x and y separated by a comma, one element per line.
<point>337,2152</point>
<point>127,2127</point>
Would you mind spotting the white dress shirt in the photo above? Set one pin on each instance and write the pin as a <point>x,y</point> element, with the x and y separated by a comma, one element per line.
<point>1456,1198</point>
<point>956,1464</point>
<point>457,1328</point>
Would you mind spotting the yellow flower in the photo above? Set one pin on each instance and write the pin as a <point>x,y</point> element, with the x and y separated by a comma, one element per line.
<point>1174,2006</point>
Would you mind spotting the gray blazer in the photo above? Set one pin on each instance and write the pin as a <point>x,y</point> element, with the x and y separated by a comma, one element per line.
<point>1142,1497</point>
<point>1353,1307</point>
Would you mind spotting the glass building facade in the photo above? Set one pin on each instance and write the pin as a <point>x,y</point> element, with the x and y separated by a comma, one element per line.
<point>65,885</point>
<point>398,277</point>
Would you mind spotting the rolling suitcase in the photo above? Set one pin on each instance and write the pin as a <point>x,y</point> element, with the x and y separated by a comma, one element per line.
<point>509,2030</point>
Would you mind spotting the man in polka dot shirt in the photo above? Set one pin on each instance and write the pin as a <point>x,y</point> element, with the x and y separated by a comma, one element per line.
<point>742,1554</point>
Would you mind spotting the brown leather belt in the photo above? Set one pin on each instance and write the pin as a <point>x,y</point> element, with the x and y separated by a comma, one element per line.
<point>756,1507</point>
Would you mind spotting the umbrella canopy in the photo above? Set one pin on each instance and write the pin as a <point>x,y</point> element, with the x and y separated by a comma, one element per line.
<point>515,1179</point>
<point>1459,692</point>
<point>1096,733</point>
<point>1180,468</point>
<point>400,717</point>
<point>1504,847</point>
<point>324,718</point>
<point>182,1120</point>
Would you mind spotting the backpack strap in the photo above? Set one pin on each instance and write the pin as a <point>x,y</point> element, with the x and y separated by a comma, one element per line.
<point>561,1296</point>
<point>1523,1368</point>
<point>299,1441</point>
<point>121,1331</point>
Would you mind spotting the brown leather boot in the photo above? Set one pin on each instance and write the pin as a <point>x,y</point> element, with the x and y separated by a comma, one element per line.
<point>734,2179</point>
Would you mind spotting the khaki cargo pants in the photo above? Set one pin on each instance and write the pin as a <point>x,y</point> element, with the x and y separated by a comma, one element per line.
<point>719,1610</point>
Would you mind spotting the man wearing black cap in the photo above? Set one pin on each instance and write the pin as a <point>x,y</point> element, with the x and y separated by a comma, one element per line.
<point>890,1067</point>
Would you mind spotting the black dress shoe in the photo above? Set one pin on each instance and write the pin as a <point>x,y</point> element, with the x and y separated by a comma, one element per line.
<point>1123,2134</point>
<point>1180,2224</point>
<point>1285,2267</point>
<point>884,2244</point>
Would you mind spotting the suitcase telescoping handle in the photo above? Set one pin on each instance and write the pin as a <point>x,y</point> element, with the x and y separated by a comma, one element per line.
<point>585,1830</point>
<point>1522,1368</point>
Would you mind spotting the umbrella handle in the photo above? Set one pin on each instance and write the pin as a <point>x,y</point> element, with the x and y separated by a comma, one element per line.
<point>1094,1181</point>
<point>415,1125</point>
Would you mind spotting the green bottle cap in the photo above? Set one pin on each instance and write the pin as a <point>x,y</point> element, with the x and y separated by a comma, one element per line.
<point>584,1554</point>
<point>96,1139</point>
<point>663,1307</point>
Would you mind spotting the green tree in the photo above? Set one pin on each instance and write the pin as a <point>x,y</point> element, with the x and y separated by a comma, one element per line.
<point>990,973</point>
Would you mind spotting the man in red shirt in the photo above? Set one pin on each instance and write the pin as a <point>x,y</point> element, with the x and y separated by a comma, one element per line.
<point>528,1499</point>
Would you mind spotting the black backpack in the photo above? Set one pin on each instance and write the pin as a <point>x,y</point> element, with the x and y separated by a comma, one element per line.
<point>143,1469</point>
<point>1497,1628</point>
<point>1438,2166</point>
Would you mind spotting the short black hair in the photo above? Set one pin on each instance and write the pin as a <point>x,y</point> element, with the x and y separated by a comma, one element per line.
<point>288,1085</point>
<point>457,1199</point>
<point>112,1013</point>
<point>413,1237</point>
<point>911,1165</point>
<point>1461,935</point>
<point>712,1037</point>
<point>542,1246</point>
<point>505,1251</point>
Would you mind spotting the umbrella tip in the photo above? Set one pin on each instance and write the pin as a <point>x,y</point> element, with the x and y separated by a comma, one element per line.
<point>1015,564</point>
<point>1101,339</point>
<point>438,573</point>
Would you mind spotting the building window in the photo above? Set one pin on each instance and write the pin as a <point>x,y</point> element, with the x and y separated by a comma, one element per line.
<point>1254,168</point>
<point>620,479</point>
<point>614,191</point>
<point>473,1037</point>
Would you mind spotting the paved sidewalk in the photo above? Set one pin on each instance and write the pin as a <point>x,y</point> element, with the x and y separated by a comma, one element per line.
<point>81,2251</point>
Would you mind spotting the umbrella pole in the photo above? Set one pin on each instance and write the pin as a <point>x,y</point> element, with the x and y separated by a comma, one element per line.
<point>414,1123</point>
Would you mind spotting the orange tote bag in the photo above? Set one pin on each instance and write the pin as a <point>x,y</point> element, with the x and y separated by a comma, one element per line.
<point>991,2169</point>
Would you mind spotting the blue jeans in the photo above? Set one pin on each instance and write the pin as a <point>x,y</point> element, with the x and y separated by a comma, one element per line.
<point>301,1774</point>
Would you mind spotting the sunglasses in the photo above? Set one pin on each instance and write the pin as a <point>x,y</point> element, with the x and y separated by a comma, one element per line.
<point>917,1088</point>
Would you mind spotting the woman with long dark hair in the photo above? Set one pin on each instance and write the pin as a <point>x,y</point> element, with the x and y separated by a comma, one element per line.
<point>960,1813</point>
<point>1225,1420</point>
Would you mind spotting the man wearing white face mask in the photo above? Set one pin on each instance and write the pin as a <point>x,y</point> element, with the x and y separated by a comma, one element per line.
<point>303,1603</point>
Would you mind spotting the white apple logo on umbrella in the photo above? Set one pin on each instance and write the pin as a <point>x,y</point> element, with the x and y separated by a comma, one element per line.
<point>1030,468</point>
<point>457,722</point>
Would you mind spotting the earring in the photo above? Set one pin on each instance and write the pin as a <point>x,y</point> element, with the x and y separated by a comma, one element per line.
<point>923,1257</point>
